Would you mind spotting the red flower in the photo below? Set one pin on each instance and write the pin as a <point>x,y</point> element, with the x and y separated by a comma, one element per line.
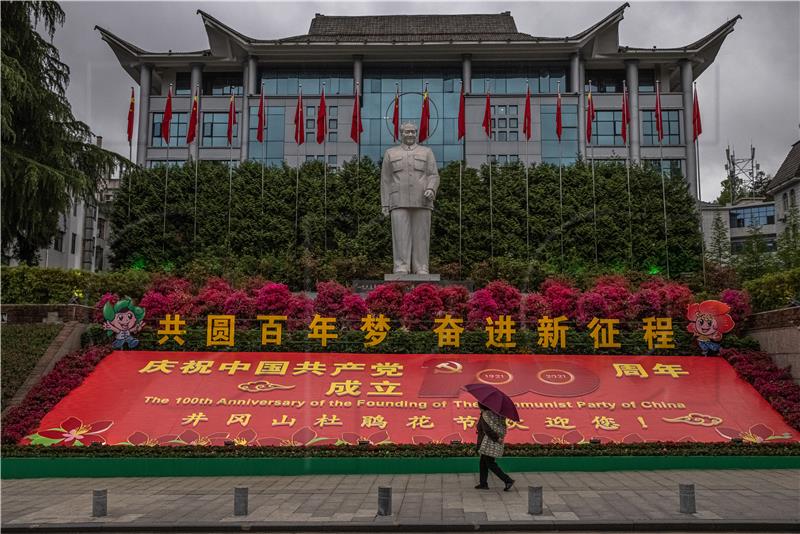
<point>303,437</point>
<point>376,438</point>
<point>573,437</point>
<point>386,299</point>
<point>425,440</point>
<point>142,439</point>
<point>190,437</point>
<point>246,437</point>
<point>72,432</point>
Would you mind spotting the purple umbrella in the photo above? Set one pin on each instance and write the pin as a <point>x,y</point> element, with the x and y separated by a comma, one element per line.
<point>494,399</point>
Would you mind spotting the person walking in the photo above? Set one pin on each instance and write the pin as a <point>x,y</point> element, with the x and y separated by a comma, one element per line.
<point>491,431</point>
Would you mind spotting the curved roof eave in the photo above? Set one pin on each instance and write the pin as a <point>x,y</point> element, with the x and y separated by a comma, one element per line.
<point>612,18</point>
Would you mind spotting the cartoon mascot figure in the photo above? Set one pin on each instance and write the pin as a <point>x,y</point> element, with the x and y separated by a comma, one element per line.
<point>708,320</point>
<point>122,320</point>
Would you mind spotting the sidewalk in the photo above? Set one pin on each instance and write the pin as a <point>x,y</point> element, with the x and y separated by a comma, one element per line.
<point>762,499</point>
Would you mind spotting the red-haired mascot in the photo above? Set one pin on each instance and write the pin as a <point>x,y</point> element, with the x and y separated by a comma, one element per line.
<point>708,321</point>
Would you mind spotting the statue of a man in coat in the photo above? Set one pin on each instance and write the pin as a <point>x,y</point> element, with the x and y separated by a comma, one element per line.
<point>409,181</point>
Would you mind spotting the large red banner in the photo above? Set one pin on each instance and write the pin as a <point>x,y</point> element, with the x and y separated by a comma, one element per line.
<point>323,398</point>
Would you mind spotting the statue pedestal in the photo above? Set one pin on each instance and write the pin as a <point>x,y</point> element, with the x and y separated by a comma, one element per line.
<point>413,278</point>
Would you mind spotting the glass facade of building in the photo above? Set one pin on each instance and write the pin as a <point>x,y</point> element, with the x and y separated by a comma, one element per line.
<point>215,129</point>
<point>567,150</point>
<point>670,121</point>
<point>273,138</point>
<point>607,129</point>
<point>177,130</point>
<point>752,216</point>
<point>286,82</point>
<point>511,78</point>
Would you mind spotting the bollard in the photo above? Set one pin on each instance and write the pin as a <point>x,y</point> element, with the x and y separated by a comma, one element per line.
<point>686,496</point>
<point>239,501</point>
<point>384,501</point>
<point>99,503</point>
<point>534,500</point>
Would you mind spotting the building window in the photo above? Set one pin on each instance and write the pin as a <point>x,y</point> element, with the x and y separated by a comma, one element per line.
<point>98,258</point>
<point>183,84</point>
<point>58,242</point>
<point>647,81</point>
<point>792,199</point>
<point>73,243</point>
<point>215,129</point>
<point>286,82</point>
<point>505,126</point>
<point>670,120</point>
<point>222,83</point>
<point>332,159</point>
<point>785,201</point>
<point>553,151</point>
<point>607,128</point>
<point>101,228</point>
<point>273,136</point>
<point>511,78</point>
<point>604,81</point>
<point>75,208</point>
<point>739,244</point>
<point>153,163</point>
<point>669,167</point>
<point>177,130</point>
<point>755,216</point>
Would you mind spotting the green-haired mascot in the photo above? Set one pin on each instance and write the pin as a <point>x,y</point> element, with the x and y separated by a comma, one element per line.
<point>123,319</point>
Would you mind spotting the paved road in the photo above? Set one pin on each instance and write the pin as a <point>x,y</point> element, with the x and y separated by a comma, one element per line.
<point>313,503</point>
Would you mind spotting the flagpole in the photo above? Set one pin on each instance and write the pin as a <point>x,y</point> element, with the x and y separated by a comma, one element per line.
<point>527,186</point>
<point>590,119</point>
<point>263,146</point>
<point>230,171</point>
<point>166,183</point>
<point>628,174</point>
<point>699,195</point>
<point>196,159</point>
<point>460,188</point>
<point>130,157</point>
<point>357,103</point>
<point>560,181</point>
<point>661,170</point>
<point>297,175</point>
<point>491,198</point>
<point>324,176</point>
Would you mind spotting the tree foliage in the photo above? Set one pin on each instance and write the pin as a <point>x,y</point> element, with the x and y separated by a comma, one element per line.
<point>48,155</point>
<point>719,250</point>
<point>341,234</point>
<point>789,240</point>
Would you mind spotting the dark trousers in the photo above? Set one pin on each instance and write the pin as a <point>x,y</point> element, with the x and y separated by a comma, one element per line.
<point>488,463</point>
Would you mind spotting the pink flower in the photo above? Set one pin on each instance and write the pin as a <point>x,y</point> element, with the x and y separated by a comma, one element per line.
<point>241,304</point>
<point>739,301</point>
<point>454,300</point>
<point>302,437</point>
<point>572,437</point>
<point>386,299</point>
<point>561,296</point>
<point>143,440</point>
<point>506,296</point>
<point>376,438</point>
<point>353,308</point>
<point>273,299</point>
<point>481,306</point>
<point>112,298</point>
<point>755,434</point>
<point>534,307</point>
<point>420,306</point>
<point>299,310</point>
<point>211,298</point>
<point>330,299</point>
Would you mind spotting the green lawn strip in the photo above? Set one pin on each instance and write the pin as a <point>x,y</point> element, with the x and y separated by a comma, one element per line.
<point>23,345</point>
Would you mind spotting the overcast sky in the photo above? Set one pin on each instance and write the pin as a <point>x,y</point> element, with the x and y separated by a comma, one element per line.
<point>750,94</point>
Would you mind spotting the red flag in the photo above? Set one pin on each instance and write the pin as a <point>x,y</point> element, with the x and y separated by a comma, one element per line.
<point>130,116</point>
<point>558,114</point>
<point>590,114</point>
<point>625,114</point>
<point>424,121</point>
<point>462,115</point>
<point>659,124</point>
<point>396,115</point>
<point>526,119</point>
<point>322,119</point>
<point>487,116</point>
<point>355,124</point>
<point>191,133</point>
<point>299,121</point>
<point>167,118</point>
<point>231,119</point>
<point>697,125</point>
<point>262,118</point>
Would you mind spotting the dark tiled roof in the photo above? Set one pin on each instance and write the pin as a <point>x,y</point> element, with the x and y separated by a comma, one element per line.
<point>400,28</point>
<point>790,168</point>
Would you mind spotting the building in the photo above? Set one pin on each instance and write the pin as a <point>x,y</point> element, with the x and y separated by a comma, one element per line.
<point>84,232</point>
<point>382,55</point>
<point>738,219</point>
<point>785,186</point>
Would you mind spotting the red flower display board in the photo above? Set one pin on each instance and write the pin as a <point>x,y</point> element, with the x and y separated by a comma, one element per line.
<point>148,398</point>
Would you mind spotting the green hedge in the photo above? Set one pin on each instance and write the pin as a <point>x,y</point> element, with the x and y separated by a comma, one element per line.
<point>409,451</point>
<point>410,342</point>
<point>774,291</point>
<point>23,346</point>
<point>35,285</point>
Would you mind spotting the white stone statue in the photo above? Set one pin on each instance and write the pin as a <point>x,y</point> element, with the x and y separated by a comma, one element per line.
<point>409,181</point>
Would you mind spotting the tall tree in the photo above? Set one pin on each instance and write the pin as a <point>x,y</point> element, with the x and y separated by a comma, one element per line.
<point>754,260</point>
<point>719,249</point>
<point>48,156</point>
<point>789,240</point>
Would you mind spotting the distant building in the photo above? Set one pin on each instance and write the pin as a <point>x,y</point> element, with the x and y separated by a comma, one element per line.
<point>785,186</point>
<point>738,218</point>
<point>408,54</point>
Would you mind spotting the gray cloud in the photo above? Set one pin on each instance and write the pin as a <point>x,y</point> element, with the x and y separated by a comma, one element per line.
<point>750,94</point>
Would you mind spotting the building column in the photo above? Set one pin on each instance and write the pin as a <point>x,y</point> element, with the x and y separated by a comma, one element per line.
<point>244,131</point>
<point>145,80</point>
<point>687,78</point>
<point>632,80</point>
<point>358,73</point>
<point>578,71</point>
<point>197,85</point>
<point>466,73</point>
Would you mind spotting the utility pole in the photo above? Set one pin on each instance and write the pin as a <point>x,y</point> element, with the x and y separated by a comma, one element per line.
<point>743,173</point>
